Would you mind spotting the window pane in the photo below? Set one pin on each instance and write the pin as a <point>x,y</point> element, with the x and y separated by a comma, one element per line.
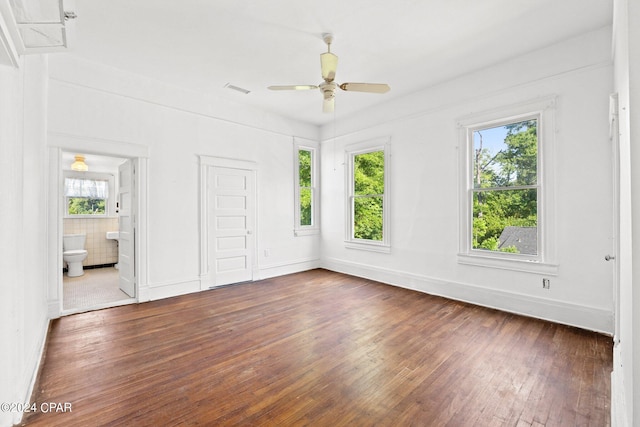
<point>305,207</point>
<point>506,221</point>
<point>506,155</point>
<point>304,166</point>
<point>368,173</point>
<point>367,215</point>
<point>86,206</point>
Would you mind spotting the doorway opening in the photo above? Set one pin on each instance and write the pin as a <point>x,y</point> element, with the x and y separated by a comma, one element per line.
<point>97,232</point>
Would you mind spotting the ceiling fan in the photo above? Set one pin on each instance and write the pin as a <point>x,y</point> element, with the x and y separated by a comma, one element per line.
<point>328,64</point>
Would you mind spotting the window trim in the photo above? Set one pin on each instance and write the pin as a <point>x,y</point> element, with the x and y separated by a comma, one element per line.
<point>379,144</point>
<point>314,228</point>
<point>544,262</point>
<point>110,210</point>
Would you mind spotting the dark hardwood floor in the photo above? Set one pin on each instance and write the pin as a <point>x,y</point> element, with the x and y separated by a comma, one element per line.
<point>322,349</point>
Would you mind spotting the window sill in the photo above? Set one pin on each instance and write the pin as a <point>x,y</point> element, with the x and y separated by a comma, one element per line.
<point>306,232</point>
<point>525,266</point>
<point>368,246</point>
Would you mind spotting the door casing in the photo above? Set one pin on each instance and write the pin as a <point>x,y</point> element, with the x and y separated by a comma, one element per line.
<point>126,227</point>
<point>57,143</point>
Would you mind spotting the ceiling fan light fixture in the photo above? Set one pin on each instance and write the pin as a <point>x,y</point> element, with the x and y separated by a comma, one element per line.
<point>329,65</point>
<point>79,164</point>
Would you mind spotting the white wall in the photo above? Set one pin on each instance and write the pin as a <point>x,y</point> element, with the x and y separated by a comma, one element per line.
<point>424,183</point>
<point>625,380</point>
<point>23,262</point>
<point>95,103</point>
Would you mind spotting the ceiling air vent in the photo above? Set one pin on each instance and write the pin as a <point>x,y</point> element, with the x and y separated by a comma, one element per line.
<point>237,89</point>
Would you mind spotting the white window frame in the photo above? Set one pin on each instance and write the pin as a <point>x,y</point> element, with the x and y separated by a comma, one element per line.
<point>381,144</point>
<point>544,262</point>
<point>110,209</point>
<point>314,228</point>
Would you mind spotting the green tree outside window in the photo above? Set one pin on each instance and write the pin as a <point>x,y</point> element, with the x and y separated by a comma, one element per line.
<point>305,174</point>
<point>86,206</point>
<point>368,182</point>
<point>505,192</point>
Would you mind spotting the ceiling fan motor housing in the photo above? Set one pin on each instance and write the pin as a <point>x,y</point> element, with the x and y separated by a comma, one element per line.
<point>328,89</point>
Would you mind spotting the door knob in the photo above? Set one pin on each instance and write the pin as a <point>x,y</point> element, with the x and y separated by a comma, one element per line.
<point>609,257</point>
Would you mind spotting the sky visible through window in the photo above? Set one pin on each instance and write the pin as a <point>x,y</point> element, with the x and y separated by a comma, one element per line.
<point>492,141</point>
<point>492,138</point>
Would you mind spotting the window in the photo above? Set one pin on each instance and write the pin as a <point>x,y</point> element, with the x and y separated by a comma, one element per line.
<point>368,196</point>
<point>306,192</point>
<point>86,195</point>
<point>505,209</point>
<point>505,188</point>
<point>306,189</point>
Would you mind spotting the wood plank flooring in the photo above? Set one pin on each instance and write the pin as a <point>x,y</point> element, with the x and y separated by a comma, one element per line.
<point>323,349</point>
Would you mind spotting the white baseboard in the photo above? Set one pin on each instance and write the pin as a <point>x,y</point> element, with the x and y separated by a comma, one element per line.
<point>39,357</point>
<point>590,318</point>
<point>289,267</point>
<point>157,291</point>
<point>53,309</point>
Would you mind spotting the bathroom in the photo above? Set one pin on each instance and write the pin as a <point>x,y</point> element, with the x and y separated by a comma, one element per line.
<point>91,277</point>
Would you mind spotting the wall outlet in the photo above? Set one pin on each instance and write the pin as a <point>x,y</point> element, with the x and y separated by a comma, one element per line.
<point>546,283</point>
<point>267,253</point>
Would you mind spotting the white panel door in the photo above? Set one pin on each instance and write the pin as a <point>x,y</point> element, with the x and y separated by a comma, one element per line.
<point>231,214</point>
<point>126,243</point>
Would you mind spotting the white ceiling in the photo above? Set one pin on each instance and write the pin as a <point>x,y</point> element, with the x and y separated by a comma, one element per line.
<point>409,44</point>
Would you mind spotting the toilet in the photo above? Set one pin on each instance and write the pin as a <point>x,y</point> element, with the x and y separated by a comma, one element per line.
<point>73,253</point>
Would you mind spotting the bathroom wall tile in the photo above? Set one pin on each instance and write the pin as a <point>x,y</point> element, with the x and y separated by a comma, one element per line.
<point>99,249</point>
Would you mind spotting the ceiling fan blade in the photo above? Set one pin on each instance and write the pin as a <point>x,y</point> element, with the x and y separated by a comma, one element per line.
<point>366,87</point>
<point>293,87</point>
<point>328,105</point>
<point>329,65</point>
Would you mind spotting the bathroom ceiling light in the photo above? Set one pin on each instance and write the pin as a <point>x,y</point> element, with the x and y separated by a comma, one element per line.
<point>79,164</point>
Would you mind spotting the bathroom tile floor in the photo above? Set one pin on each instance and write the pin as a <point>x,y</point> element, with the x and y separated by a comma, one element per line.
<point>96,288</point>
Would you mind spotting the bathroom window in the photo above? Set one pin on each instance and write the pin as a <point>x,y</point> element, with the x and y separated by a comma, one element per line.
<point>87,196</point>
